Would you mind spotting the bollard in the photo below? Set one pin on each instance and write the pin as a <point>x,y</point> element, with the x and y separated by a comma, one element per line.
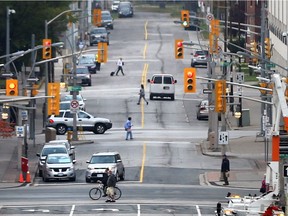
<point>69,135</point>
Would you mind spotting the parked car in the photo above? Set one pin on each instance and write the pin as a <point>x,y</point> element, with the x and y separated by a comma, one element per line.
<point>107,20</point>
<point>98,34</point>
<point>162,85</point>
<point>115,5</point>
<point>89,61</point>
<point>125,9</point>
<point>203,110</point>
<point>49,149</point>
<point>200,57</point>
<point>85,122</point>
<point>67,144</point>
<point>83,75</point>
<point>58,166</point>
<point>68,98</point>
<point>102,160</point>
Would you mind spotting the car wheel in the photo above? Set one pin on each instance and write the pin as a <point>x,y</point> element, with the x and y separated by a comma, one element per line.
<point>88,180</point>
<point>45,179</point>
<point>89,84</point>
<point>122,177</point>
<point>61,129</point>
<point>151,97</point>
<point>117,176</point>
<point>40,173</point>
<point>99,129</point>
<point>73,179</point>
<point>173,97</point>
<point>192,65</point>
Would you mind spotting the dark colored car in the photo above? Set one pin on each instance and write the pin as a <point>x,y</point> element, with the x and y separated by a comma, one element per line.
<point>88,61</point>
<point>99,34</point>
<point>125,9</point>
<point>83,75</point>
<point>107,20</point>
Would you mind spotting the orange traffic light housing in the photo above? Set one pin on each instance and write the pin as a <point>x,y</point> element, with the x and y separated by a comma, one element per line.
<point>11,87</point>
<point>254,51</point>
<point>189,80</point>
<point>185,18</point>
<point>267,48</point>
<point>97,18</point>
<point>102,52</point>
<point>53,102</point>
<point>179,49</point>
<point>220,92</point>
<point>47,49</point>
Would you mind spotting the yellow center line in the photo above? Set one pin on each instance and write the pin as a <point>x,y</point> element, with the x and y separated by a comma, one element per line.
<point>145,30</point>
<point>143,163</point>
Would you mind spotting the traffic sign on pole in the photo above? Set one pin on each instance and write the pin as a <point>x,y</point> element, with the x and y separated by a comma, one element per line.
<point>74,106</point>
<point>209,17</point>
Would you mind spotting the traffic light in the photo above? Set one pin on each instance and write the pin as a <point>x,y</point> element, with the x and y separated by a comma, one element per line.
<point>53,102</point>
<point>11,87</point>
<point>213,36</point>
<point>102,52</point>
<point>34,90</point>
<point>189,80</point>
<point>179,49</point>
<point>267,48</point>
<point>97,18</point>
<point>254,51</point>
<point>220,91</point>
<point>47,49</point>
<point>185,18</point>
<point>215,27</point>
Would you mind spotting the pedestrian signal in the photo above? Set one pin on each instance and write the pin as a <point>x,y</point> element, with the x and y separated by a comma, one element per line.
<point>220,92</point>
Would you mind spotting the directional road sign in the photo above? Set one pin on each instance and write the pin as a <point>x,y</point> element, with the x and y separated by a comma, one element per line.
<point>285,166</point>
<point>223,138</point>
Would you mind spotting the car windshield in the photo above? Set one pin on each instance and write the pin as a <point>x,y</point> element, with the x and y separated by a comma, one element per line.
<point>58,160</point>
<point>82,71</point>
<point>98,31</point>
<point>86,60</point>
<point>106,17</point>
<point>70,97</point>
<point>47,151</point>
<point>202,52</point>
<point>103,159</point>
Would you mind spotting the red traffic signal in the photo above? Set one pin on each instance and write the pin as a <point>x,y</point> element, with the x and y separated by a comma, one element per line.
<point>47,49</point>
<point>179,49</point>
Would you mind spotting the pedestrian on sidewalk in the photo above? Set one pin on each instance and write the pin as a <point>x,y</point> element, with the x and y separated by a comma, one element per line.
<point>225,168</point>
<point>120,65</point>
<point>128,128</point>
<point>263,187</point>
<point>142,95</point>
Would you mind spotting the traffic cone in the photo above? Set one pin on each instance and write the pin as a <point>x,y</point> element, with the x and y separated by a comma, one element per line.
<point>28,177</point>
<point>21,180</point>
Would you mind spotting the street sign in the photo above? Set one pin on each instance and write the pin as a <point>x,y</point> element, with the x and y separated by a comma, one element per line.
<point>74,106</point>
<point>285,168</point>
<point>19,131</point>
<point>209,17</point>
<point>240,77</point>
<point>223,138</point>
<point>74,88</point>
<point>24,115</point>
<point>271,65</point>
<point>207,91</point>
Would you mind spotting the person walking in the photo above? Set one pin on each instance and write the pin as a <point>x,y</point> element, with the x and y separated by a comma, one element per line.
<point>111,184</point>
<point>120,65</point>
<point>225,168</point>
<point>142,95</point>
<point>128,128</point>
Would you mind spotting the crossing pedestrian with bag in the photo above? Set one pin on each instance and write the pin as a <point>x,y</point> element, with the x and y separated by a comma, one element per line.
<point>142,95</point>
<point>120,65</point>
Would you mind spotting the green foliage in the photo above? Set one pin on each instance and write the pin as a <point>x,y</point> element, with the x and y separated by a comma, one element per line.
<point>237,42</point>
<point>30,19</point>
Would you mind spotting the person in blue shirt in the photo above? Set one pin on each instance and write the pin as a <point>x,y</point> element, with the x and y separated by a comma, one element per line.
<point>128,128</point>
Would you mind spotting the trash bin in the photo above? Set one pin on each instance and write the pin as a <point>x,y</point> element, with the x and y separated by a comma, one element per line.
<point>50,134</point>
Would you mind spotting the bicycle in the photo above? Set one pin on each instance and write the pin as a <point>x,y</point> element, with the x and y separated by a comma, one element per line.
<point>96,192</point>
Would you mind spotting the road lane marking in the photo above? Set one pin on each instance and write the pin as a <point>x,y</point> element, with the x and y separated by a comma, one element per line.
<point>145,30</point>
<point>198,210</point>
<point>72,210</point>
<point>144,51</point>
<point>138,210</point>
<point>143,163</point>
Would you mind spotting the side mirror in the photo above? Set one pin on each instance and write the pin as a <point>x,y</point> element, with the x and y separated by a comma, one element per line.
<point>175,81</point>
<point>38,154</point>
<point>88,161</point>
<point>148,80</point>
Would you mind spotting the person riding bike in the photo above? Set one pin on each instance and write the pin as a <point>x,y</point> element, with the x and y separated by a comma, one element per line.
<point>111,184</point>
<point>104,182</point>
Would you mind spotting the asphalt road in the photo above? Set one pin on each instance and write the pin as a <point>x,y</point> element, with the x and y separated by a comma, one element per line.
<point>166,135</point>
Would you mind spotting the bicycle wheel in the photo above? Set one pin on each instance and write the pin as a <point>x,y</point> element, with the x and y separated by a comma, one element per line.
<point>95,193</point>
<point>118,193</point>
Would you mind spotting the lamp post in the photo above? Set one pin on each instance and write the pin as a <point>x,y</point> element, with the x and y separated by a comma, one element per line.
<point>8,12</point>
<point>46,64</point>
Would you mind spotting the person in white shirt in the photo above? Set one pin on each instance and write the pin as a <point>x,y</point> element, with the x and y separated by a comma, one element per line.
<point>120,64</point>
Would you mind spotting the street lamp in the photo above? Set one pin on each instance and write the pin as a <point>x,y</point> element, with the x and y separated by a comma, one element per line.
<point>46,64</point>
<point>9,11</point>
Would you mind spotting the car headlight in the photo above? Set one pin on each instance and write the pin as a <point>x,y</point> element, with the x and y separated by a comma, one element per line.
<point>70,168</point>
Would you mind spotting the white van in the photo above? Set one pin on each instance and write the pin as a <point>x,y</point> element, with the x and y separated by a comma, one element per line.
<point>162,85</point>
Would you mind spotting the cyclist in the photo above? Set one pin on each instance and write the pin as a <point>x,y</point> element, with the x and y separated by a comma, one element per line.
<point>111,183</point>
<point>104,182</point>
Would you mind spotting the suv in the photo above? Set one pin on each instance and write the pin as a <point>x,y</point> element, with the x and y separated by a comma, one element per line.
<point>107,20</point>
<point>125,9</point>
<point>203,110</point>
<point>49,149</point>
<point>83,75</point>
<point>102,160</point>
<point>200,57</point>
<point>67,144</point>
<point>99,34</point>
<point>115,5</point>
<point>162,85</point>
<point>58,166</point>
<point>85,122</point>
